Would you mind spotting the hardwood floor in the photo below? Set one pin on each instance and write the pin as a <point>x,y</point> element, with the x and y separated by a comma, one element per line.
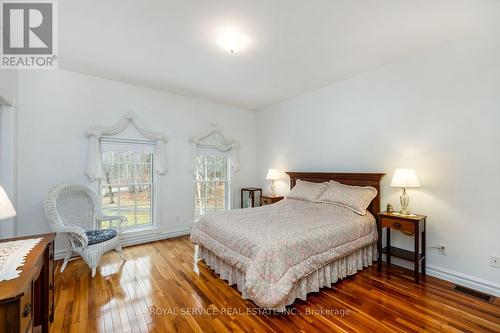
<point>185,297</point>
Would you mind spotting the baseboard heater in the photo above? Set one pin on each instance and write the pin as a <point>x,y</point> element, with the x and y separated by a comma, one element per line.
<point>474,293</point>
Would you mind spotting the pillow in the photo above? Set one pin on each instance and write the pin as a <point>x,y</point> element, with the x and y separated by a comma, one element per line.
<point>355,198</point>
<point>306,190</point>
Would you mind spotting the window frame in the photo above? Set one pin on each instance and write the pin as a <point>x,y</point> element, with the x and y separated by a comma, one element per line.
<point>154,183</point>
<point>228,181</point>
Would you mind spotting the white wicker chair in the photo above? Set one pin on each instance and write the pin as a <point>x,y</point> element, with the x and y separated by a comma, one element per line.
<point>75,210</point>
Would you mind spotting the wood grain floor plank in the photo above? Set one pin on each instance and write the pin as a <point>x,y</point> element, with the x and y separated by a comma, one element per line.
<point>160,288</point>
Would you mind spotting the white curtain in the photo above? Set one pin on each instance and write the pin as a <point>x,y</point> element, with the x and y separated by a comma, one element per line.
<point>94,162</point>
<point>214,138</point>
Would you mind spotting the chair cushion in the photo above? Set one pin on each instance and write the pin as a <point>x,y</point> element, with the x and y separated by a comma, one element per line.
<point>99,236</point>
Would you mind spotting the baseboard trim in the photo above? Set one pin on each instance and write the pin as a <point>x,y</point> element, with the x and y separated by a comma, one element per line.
<point>140,239</point>
<point>465,280</point>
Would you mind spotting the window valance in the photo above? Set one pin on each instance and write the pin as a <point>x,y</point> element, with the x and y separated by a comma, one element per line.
<point>140,146</point>
<point>94,162</point>
<point>214,138</point>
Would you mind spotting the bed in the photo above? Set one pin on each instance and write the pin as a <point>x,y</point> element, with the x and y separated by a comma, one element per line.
<point>277,253</point>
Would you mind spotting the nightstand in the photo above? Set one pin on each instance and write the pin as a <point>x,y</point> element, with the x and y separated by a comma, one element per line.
<point>411,225</point>
<point>269,199</point>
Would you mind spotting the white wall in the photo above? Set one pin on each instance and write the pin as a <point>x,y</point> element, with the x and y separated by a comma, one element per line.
<point>8,86</point>
<point>55,108</point>
<point>437,112</point>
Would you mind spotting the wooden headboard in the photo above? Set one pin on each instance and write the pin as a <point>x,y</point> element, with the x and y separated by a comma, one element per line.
<point>355,179</point>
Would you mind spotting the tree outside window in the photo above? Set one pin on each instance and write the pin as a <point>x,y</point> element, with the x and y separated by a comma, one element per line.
<point>212,182</point>
<point>127,188</point>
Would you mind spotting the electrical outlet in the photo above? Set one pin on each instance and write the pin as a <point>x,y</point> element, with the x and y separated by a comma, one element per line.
<point>495,261</point>
<point>442,249</point>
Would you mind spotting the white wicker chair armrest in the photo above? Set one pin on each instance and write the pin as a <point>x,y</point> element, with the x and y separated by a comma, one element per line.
<point>121,220</point>
<point>76,236</point>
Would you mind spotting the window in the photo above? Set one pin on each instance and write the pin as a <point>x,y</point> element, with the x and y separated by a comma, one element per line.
<point>128,185</point>
<point>212,182</point>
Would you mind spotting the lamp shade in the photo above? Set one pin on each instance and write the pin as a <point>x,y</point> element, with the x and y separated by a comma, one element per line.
<point>405,178</point>
<point>6,209</point>
<point>273,174</point>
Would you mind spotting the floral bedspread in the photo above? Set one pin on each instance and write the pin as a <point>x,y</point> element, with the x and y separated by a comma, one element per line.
<point>277,245</point>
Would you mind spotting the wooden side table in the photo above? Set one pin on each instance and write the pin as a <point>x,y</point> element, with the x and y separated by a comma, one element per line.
<point>411,225</point>
<point>268,199</point>
<point>27,302</point>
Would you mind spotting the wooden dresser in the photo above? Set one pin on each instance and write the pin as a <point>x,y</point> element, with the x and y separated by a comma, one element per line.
<point>27,302</point>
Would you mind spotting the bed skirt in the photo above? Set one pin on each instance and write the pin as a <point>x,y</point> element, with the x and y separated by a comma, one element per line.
<point>324,276</point>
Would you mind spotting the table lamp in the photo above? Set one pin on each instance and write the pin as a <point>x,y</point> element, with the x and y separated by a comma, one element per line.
<point>6,209</point>
<point>404,178</point>
<point>273,174</point>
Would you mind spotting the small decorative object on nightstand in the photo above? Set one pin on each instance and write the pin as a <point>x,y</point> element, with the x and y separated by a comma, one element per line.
<point>405,178</point>
<point>412,225</point>
<point>252,197</point>
<point>269,199</point>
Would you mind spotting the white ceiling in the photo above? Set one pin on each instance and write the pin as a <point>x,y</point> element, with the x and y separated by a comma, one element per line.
<point>297,45</point>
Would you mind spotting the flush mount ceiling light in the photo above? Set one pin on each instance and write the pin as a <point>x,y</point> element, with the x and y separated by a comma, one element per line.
<point>232,41</point>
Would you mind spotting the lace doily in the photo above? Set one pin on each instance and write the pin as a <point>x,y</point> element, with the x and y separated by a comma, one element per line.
<point>12,255</point>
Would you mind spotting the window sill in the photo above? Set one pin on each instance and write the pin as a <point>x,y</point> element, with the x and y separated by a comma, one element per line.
<point>147,230</point>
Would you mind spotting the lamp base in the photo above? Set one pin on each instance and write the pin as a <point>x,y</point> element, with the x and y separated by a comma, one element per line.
<point>404,212</point>
<point>273,189</point>
<point>404,199</point>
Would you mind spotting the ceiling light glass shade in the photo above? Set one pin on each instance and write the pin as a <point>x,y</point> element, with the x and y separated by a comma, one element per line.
<point>405,178</point>
<point>232,41</point>
<point>273,174</point>
<point>6,209</point>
